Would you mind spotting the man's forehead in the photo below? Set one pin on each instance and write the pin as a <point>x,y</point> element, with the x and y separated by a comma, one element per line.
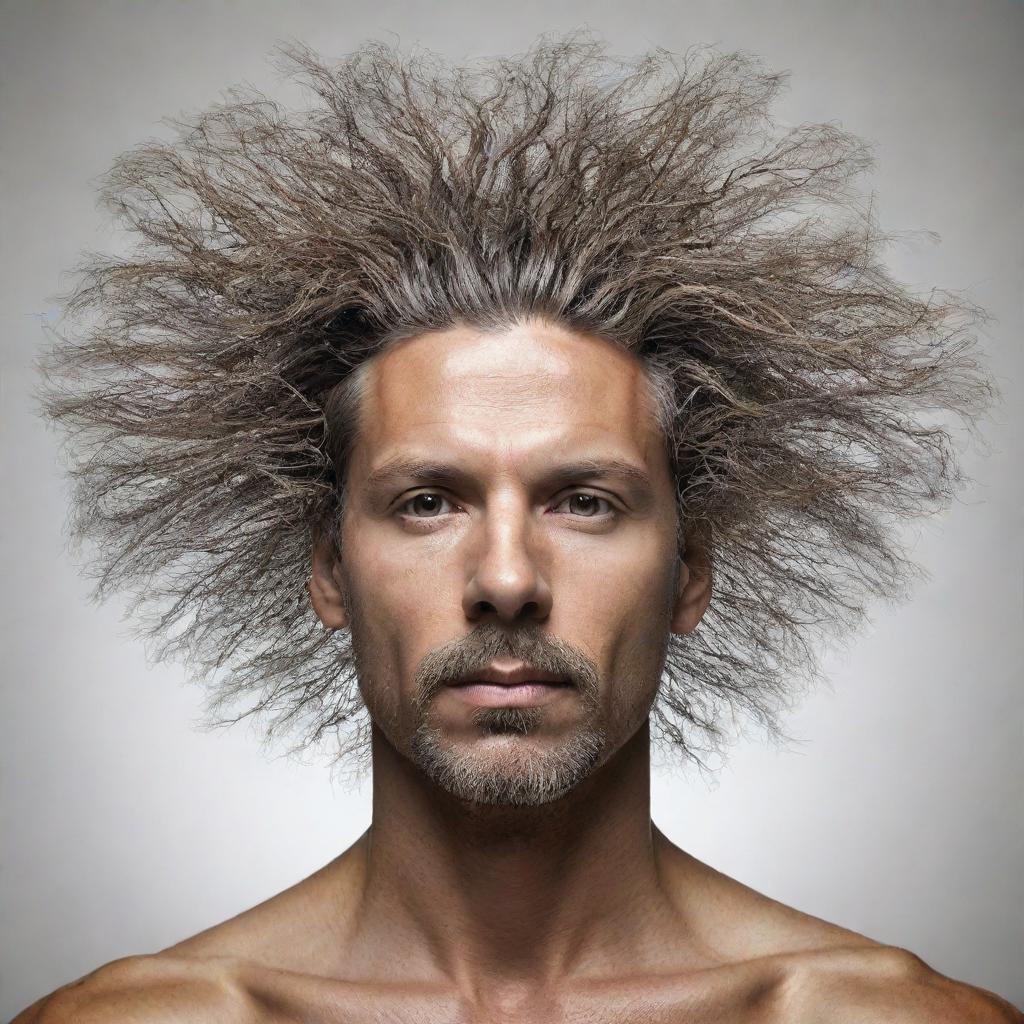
<point>529,386</point>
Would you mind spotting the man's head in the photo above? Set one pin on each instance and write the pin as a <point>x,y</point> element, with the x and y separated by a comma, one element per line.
<point>512,253</point>
<point>509,505</point>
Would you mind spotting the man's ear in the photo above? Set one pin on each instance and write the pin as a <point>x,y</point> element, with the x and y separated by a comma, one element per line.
<point>326,588</point>
<point>693,587</point>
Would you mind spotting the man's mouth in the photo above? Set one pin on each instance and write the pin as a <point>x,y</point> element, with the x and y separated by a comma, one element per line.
<point>515,687</point>
<point>510,695</point>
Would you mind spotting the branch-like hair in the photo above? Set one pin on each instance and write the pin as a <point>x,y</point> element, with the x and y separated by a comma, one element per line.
<point>805,394</point>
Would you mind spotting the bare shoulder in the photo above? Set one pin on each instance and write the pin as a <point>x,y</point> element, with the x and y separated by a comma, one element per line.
<point>809,969</point>
<point>157,989</point>
<point>864,985</point>
<point>169,988</point>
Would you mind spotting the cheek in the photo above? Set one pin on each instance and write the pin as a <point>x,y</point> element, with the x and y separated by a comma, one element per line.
<point>638,642</point>
<point>617,586</point>
<point>405,572</point>
<point>403,607</point>
<point>417,599</point>
<point>619,602</point>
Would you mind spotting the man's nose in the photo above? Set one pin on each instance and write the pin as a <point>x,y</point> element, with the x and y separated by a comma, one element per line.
<point>505,579</point>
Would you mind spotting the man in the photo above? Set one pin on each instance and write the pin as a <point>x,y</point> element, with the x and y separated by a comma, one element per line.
<point>576,432</point>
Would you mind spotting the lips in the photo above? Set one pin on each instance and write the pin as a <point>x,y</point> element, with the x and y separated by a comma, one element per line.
<point>520,686</point>
<point>515,695</point>
<point>515,676</point>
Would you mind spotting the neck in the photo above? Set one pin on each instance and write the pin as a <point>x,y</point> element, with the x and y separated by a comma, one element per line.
<point>526,896</point>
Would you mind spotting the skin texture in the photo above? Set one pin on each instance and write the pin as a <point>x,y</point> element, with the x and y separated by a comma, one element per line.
<point>573,909</point>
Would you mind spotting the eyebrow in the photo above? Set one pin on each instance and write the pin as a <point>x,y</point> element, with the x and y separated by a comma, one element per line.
<point>416,468</point>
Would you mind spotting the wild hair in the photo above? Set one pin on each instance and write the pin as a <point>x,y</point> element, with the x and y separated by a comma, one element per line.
<point>210,383</point>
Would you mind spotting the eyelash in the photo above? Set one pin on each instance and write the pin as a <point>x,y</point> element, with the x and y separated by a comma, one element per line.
<point>597,516</point>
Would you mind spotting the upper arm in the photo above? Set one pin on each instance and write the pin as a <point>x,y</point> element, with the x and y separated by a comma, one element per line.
<point>144,990</point>
<point>894,985</point>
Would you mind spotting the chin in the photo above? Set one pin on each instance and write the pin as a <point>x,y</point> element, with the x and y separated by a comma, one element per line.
<point>508,770</point>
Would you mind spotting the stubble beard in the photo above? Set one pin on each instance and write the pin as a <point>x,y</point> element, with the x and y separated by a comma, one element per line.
<point>519,775</point>
<point>505,769</point>
<point>506,765</point>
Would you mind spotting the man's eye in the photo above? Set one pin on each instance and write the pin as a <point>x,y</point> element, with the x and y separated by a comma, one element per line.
<point>424,506</point>
<point>587,505</point>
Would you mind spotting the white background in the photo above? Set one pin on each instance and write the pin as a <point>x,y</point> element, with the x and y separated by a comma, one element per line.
<point>898,812</point>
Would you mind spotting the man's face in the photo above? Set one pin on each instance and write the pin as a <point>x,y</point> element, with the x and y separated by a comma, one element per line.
<point>509,514</point>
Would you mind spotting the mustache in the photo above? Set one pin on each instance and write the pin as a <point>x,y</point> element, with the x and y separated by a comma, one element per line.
<point>475,651</point>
